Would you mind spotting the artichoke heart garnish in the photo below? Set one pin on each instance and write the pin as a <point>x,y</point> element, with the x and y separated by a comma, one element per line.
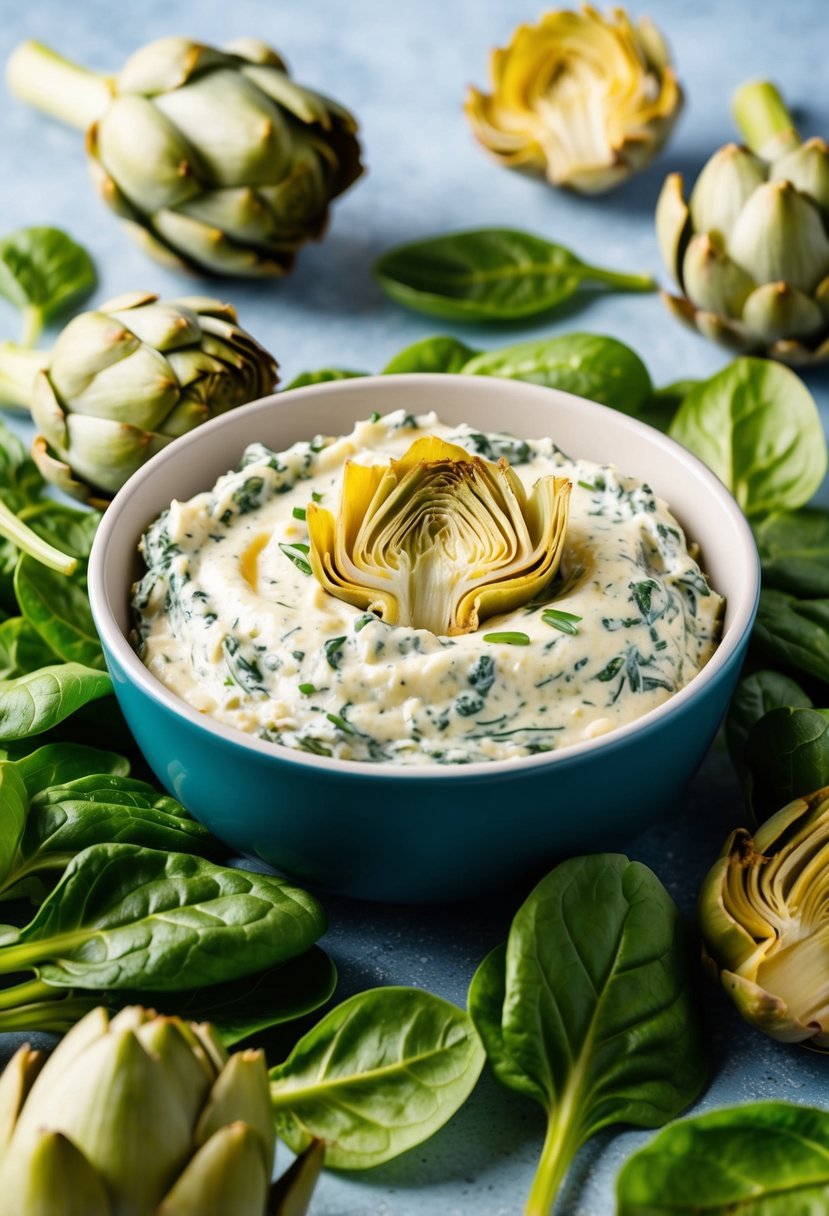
<point>438,539</point>
<point>764,915</point>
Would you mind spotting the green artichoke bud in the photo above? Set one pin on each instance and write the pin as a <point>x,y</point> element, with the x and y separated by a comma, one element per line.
<point>764,915</point>
<point>135,1116</point>
<point>438,539</point>
<point>126,379</point>
<point>216,160</point>
<point>750,250</point>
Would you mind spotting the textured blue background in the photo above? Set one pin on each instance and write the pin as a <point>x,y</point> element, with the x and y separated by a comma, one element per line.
<point>403,68</point>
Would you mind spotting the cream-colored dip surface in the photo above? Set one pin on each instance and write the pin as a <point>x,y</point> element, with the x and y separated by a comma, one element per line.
<point>241,630</point>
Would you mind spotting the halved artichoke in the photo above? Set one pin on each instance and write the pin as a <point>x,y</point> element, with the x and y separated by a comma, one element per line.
<point>764,915</point>
<point>580,98</point>
<point>438,539</point>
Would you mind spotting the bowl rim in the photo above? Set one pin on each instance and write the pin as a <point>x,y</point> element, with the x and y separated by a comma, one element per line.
<point>117,645</point>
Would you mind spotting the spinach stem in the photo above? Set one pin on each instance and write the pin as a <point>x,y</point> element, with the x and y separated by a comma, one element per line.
<point>23,955</point>
<point>560,1147</point>
<point>615,278</point>
<point>24,994</point>
<point>29,542</point>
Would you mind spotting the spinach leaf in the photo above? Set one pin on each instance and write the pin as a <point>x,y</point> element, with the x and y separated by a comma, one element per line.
<point>588,1008</point>
<point>794,551</point>
<point>95,809</point>
<point>255,1003</point>
<point>59,763</point>
<point>42,273</point>
<point>787,757</point>
<point>588,365</point>
<point>756,425</point>
<point>379,1074</point>
<point>125,917</point>
<point>22,649</point>
<point>322,376</point>
<point>21,484</point>
<point>34,703</point>
<point>761,1159</point>
<point>440,354</point>
<point>57,606</point>
<point>755,696</point>
<point>64,527</point>
<point>490,274</point>
<point>793,633</point>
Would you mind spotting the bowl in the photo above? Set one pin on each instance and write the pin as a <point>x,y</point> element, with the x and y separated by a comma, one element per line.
<point>431,832</point>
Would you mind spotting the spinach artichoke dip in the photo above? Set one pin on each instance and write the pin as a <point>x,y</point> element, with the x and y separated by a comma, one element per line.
<point>468,597</point>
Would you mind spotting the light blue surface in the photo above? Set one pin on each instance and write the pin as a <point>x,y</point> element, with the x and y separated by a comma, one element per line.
<point>403,67</point>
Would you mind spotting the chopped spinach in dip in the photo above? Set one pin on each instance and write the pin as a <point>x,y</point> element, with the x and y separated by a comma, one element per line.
<point>231,619</point>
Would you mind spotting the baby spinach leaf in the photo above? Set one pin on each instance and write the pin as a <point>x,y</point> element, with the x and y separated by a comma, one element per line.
<point>371,1094</point>
<point>794,551</point>
<point>125,917</point>
<point>793,633</point>
<point>440,354</point>
<point>42,273</point>
<point>761,1159</point>
<point>588,1008</point>
<point>755,424</point>
<point>96,809</point>
<point>755,696</point>
<point>57,606</point>
<point>22,649</point>
<point>64,527</point>
<point>255,1003</point>
<point>588,365</point>
<point>14,807</point>
<point>34,703</point>
<point>58,763</point>
<point>322,376</point>
<point>490,274</point>
<point>21,483</point>
<point>787,757</point>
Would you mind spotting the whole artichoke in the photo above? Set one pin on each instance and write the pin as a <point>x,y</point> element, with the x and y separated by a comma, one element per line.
<point>127,378</point>
<point>764,916</point>
<point>137,1116</point>
<point>583,99</point>
<point>750,248</point>
<point>214,158</point>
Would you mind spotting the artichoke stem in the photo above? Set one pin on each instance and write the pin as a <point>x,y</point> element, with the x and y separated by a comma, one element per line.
<point>29,542</point>
<point>763,120</point>
<point>18,368</point>
<point>43,79</point>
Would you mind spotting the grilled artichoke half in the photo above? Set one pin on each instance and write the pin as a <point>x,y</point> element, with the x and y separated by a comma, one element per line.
<point>764,915</point>
<point>438,539</point>
<point>581,99</point>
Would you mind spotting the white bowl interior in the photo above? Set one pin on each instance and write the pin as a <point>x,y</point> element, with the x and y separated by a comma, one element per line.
<point>700,502</point>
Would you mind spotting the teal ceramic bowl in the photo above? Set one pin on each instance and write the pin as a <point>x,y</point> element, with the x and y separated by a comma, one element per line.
<point>432,832</point>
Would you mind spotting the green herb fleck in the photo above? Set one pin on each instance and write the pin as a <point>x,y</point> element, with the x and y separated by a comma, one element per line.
<point>298,513</point>
<point>294,554</point>
<point>334,651</point>
<point>567,622</point>
<point>510,639</point>
<point>374,416</point>
<point>307,689</point>
<point>317,497</point>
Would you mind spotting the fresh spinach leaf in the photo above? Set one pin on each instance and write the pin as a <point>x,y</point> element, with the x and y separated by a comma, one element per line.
<point>490,274</point>
<point>588,1008</point>
<point>125,917</point>
<point>34,703</point>
<point>761,1159</point>
<point>22,649</point>
<point>794,551</point>
<point>793,633</point>
<point>57,606</point>
<point>755,424</point>
<point>42,273</point>
<point>379,1074</point>
<point>787,757</point>
<point>101,808</point>
<point>588,365</point>
<point>322,376</point>
<point>21,483</point>
<point>66,528</point>
<point>440,354</point>
<point>755,696</point>
<point>59,763</point>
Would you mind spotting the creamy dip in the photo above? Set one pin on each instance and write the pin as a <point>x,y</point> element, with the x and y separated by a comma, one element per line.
<point>230,618</point>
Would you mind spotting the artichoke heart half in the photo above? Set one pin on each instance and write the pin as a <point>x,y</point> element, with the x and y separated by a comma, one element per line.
<point>764,915</point>
<point>438,539</point>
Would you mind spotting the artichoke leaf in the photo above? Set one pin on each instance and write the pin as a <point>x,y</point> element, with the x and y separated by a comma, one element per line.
<point>438,539</point>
